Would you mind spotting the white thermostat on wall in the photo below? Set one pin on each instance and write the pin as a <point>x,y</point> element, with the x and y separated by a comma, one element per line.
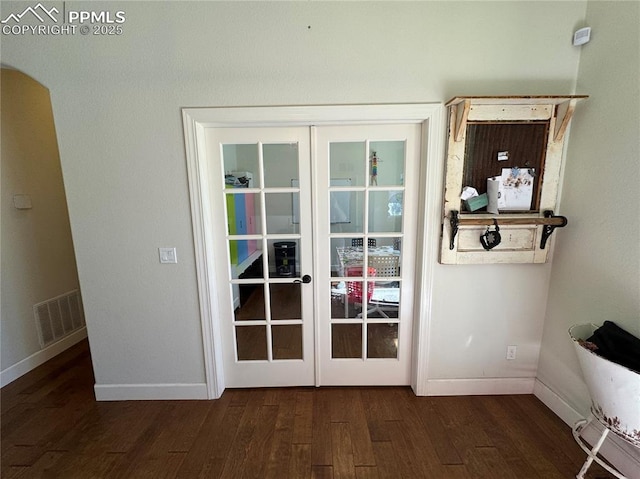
<point>582,36</point>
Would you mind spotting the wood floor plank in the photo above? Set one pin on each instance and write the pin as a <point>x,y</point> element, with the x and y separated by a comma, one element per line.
<point>338,406</point>
<point>359,429</point>
<point>487,463</point>
<point>137,456</point>
<point>303,422</point>
<point>466,434</point>
<point>501,439</point>
<point>41,467</point>
<point>321,453</point>
<point>237,454</point>
<point>441,440</point>
<point>182,425</point>
<point>300,461</point>
<point>382,403</point>
<point>21,455</point>
<point>14,419</point>
<point>342,451</point>
<point>407,461</point>
<point>321,472</point>
<point>255,463</point>
<point>520,438</point>
<point>55,392</point>
<point>386,460</point>
<point>417,437</point>
<point>209,450</point>
<point>367,472</point>
<point>82,466</point>
<point>457,471</point>
<point>279,455</point>
<point>378,412</point>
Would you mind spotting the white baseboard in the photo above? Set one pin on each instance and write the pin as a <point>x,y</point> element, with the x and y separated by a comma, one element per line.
<point>479,387</point>
<point>142,392</point>
<point>624,456</point>
<point>21,368</point>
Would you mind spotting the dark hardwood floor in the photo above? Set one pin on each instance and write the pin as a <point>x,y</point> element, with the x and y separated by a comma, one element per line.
<point>53,428</point>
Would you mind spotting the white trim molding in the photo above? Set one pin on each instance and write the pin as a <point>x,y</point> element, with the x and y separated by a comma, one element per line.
<point>143,392</point>
<point>205,267</point>
<point>479,386</point>
<point>429,221</point>
<point>196,120</point>
<point>622,455</point>
<point>28,364</point>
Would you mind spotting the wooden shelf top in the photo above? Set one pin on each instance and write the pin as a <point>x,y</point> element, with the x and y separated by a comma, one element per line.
<point>516,100</point>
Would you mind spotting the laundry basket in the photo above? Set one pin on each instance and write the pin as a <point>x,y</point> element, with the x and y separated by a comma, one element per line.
<point>615,397</point>
<point>354,288</point>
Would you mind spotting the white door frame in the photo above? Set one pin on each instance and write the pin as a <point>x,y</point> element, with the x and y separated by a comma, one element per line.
<point>432,118</point>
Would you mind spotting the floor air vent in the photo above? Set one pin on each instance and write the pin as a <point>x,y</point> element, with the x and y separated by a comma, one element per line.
<point>58,317</point>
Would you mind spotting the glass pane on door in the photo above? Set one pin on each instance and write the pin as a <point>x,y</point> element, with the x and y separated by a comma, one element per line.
<point>347,161</point>
<point>243,212</point>
<point>385,211</point>
<point>280,164</point>
<point>287,341</point>
<point>280,213</point>
<point>286,301</point>
<point>346,211</point>
<point>241,165</point>
<point>346,341</point>
<point>251,343</point>
<point>284,258</point>
<point>382,340</point>
<point>250,302</point>
<point>388,159</point>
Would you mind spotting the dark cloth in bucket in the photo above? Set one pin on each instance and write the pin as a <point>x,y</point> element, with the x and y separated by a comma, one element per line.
<point>617,345</point>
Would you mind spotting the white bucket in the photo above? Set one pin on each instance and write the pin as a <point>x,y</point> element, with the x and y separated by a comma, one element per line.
<point>614,389</point>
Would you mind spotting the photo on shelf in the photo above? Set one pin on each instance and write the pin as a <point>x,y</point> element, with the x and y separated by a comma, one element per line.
<point>511,191</point>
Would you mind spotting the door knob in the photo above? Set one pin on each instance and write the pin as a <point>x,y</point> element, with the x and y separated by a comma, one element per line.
<point>305,279</point>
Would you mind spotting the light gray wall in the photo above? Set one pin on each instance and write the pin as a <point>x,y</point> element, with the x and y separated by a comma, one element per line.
<point>117,104</point>
<point>596,270</point>
<point>38,261</point>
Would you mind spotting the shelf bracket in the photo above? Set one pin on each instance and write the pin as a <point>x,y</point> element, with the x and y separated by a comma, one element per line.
<point>454,221</point>
<point>462,113</point>
<point>564,110</point>
<point>549,228</point>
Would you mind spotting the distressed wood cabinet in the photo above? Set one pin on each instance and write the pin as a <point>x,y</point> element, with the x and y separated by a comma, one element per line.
<point>531,130</point>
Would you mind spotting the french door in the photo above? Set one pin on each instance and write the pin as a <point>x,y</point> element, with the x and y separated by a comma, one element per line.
<point>261,189</point>
<point>315,252</point>
<point>366,203</point>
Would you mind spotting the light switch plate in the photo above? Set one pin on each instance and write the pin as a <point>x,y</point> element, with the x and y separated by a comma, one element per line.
<point>168,255</point>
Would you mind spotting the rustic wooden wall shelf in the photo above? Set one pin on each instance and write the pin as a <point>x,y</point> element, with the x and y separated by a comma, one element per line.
<point>532,129</point>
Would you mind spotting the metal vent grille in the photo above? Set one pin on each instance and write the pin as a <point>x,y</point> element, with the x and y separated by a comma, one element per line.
<point>58,317</point>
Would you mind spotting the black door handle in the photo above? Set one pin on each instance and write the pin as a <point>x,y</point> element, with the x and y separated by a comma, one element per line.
<point>305,279</point>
